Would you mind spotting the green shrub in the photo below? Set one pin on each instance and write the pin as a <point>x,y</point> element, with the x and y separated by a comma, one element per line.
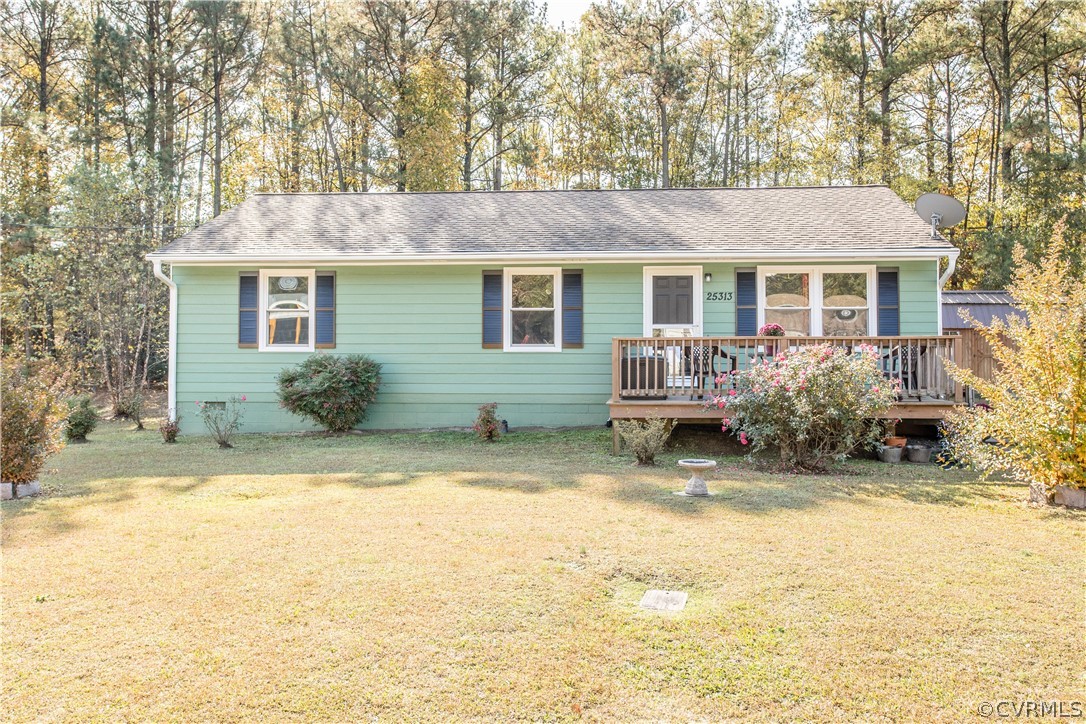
<point>129,406</point>
<point>1034,426</point>
<point>815,405</point>
<point>222,419</point>
<point>332,391</point>
<point>82,419</point>
<point>31,422</point>
<point>645,438</point>
<point>487,426</point>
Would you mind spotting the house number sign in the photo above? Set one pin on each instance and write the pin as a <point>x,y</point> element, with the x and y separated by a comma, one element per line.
<point>718,296</point>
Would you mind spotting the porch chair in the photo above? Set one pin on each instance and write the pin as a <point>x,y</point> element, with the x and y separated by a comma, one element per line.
<point>700,361</point>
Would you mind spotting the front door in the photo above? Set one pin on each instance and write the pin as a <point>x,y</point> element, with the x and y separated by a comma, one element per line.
<point>673,302</point>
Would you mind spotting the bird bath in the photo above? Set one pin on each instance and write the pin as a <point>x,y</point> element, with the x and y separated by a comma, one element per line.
<point>695,486</point>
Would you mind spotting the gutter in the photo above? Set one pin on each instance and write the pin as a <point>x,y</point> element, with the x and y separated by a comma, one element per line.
<point>171,375</point>
<point>600,257</point>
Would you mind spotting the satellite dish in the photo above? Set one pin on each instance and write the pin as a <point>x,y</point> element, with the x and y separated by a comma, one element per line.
<point>941,210</point>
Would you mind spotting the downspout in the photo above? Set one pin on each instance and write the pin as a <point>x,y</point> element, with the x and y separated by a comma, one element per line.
<point>171,375</point>
<point>951,264</point>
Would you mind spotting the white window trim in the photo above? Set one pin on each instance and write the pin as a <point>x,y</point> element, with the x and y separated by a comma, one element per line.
<point>507,308</point>
<point>815,290</point>
<point>262,336</point>
<point>646,295</point>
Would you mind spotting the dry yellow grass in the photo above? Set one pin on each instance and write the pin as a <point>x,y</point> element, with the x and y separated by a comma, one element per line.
<point>432,577</point>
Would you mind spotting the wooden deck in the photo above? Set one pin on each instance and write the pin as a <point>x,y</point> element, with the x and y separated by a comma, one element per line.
<point>673,378</point>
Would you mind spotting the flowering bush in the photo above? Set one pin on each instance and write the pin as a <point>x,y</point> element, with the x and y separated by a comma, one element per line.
<point>771,330</point>
<point>332,391</point>
<point>487,426</point>
<point>31,422</point>
<point>223,419</point>
<point>1036,416</point>
<point>815,405</point>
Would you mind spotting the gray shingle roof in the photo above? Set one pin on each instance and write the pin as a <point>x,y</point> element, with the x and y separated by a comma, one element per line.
<point>805,220</point>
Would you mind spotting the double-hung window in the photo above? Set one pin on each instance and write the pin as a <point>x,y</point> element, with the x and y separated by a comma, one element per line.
<point>287,302</point>
<point>818,301</point>
<point>532,304</point>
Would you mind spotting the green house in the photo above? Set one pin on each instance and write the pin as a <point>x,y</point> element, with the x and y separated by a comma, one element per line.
<point>564,307</point>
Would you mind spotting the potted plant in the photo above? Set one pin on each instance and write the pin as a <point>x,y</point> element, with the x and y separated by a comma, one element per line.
<point>771,330</point>
<point>892,439</point>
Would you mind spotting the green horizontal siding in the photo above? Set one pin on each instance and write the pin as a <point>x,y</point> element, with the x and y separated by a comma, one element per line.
<point>423,324</point>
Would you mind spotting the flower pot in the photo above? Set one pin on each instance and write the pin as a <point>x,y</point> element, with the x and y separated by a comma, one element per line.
<point>1069,497</point>
<point>893,441</point>
<point>889,454</point>
<point>19,490</point>
<point>918,453</point>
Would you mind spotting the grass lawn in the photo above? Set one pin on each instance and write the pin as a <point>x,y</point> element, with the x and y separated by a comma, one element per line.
<point>433,576</point>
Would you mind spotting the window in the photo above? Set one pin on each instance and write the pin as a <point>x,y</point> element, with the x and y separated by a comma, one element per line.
<point>788,302</point>
<point>286,309</point>
<point>828,301</point>
<point>844,304</point>
<point>531,303</point>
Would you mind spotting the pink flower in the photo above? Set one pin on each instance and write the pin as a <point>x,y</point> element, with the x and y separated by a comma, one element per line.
<point>875,390</point>
<point>731,393</point>
<point>743,438</point>
<point>243,398</point>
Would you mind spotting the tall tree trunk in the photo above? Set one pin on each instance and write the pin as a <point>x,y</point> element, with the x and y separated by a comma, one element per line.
<point>216,159</point>
<point>468,119</point>
<point>294,180</point>
<point>949,130</point>
<point>665,146</point>
<point>499,141</point>
<point>1006,150</point>
<point>202,152</point>
<point>1047,93</point>
<point>861,104</point>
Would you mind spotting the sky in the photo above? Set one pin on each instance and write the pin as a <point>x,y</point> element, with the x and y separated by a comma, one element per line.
<point>566,11</point>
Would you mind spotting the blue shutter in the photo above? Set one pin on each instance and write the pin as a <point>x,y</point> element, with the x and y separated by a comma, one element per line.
<point>492,309</point>
<point>889,312</point>
<point>248,293</point>
<point>572,309</point>
<point>326,310</point>
<point>746,303</point>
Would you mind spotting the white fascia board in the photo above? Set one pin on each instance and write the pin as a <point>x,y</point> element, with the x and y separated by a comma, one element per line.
<point>586,257</point>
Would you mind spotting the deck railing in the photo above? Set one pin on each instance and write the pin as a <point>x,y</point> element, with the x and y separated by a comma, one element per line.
<point>655,368</point>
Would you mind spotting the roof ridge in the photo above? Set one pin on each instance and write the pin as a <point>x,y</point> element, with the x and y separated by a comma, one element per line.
<point>569,191</point>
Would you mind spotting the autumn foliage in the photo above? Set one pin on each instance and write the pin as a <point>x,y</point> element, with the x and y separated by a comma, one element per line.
<point>1034,425</point>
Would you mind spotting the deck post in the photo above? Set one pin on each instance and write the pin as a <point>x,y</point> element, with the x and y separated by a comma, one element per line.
<point>616,379</point>
<point>959,389</point>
